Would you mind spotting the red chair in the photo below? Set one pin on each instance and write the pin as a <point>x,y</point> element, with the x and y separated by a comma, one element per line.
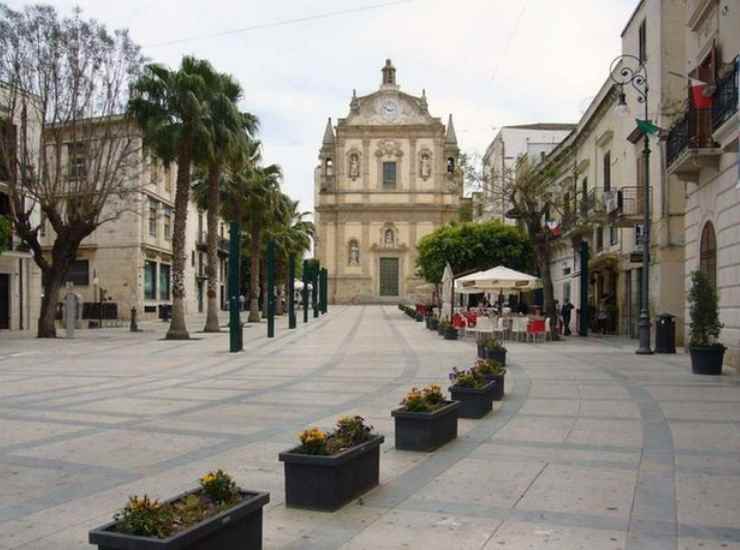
<point>535,328</point>
<point>458,322</point>
<point>471,318</point>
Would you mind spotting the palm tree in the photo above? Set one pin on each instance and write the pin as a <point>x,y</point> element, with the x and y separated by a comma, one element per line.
<point>230,130</point>
<point>251,196</point>
<point>292,235</point>
<point>172,109</point>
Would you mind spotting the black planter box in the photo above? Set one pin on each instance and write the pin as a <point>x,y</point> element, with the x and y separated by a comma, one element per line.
<point>498,393</point>
<point>485,353</point>
<point>476,403</point>
<point>238,527</point>
<point>434,324</point>
<point>419,317</point>
<point>327,483</point>
<point>450,334</point>
<point>707,359</point>
<point>426,431</point>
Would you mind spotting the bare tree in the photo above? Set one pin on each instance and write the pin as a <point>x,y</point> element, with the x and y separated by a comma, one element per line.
<point>68,150</point>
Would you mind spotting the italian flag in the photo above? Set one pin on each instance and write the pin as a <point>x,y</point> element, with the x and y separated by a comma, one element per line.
<point>700,99</point>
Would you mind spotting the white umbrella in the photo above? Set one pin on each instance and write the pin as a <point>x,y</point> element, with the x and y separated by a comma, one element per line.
<point>498,278</point>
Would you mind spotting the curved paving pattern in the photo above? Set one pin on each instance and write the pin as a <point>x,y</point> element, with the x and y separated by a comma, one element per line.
<point>593,447</point>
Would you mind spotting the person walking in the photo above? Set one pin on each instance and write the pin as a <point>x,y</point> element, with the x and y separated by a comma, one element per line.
<point>565,312</point>
<point>602,316</point>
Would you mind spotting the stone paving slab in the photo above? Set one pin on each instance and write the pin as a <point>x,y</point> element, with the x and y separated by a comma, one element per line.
<point>593,447</point>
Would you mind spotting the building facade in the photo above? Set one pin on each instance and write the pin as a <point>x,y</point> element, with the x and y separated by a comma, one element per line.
<point>702,152</point>
<point>20,277</point>
<point>602,175</point>
<point>388,176</point>
<point>128,261</point>
<point>499,161</point>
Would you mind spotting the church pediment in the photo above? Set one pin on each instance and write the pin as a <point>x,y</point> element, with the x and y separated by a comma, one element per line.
<point>388,108</point>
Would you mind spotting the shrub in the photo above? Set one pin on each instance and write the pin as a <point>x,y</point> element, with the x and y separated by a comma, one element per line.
<point>424,400</point>
<point>492,344</point>
<point>489,367</point>
<point>145,517</point>
<point>467,378</point>
<point>313,441</point>
<point>219,487</point>
<point>704,327</point>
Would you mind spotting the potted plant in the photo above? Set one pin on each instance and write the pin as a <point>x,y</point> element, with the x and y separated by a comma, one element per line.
<point>491,348</point>
<point>490,369</point>
<point>426,420</point>
<point>213,516</point>
<point>473,391</point>
<point>447,330</point>
<point>327,470</point>
<point>707,355</point>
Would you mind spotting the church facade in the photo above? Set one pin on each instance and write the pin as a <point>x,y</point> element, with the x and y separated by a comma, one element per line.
<point>388,176</point>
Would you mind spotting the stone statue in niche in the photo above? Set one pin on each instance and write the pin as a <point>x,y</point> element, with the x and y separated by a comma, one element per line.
<point>388,239</point>
<point>354,166</point>
<point>354,253</point>
<point>426,165</point>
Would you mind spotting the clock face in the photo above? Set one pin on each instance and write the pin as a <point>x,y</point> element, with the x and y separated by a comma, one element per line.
<point>390,109</point>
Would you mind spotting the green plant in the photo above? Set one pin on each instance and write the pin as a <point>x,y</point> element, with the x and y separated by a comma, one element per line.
<point>313,441</point>
<point>703,311</point>
<point>489,367</point>
<point>219,487</point>
<point>467,378</point>
<point>145,517</point>
<point>493,344</point>
<point>352,430</point>
<point>424,400</point>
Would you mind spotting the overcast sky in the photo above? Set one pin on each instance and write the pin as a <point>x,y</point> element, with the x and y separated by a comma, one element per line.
<point>488,62</point>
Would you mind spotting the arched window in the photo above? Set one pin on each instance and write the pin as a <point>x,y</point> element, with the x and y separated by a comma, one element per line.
<point>329,167</point>
<point>708,253</point>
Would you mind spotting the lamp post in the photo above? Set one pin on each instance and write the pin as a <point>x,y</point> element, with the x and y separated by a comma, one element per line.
<point>624,70</point>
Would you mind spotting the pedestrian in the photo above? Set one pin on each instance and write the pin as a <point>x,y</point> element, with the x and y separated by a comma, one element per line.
<point>565,312</point>
<point>558,323</point>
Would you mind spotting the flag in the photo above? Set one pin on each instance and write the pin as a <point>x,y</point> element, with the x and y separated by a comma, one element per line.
<point>700,94</point>
<point>646,127</point>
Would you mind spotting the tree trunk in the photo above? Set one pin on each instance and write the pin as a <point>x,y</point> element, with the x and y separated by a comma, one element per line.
<point>52,283</point>
<point>548,307</point>
<point>254,273</point>
<point>214,176</point>
<point>178,329</point>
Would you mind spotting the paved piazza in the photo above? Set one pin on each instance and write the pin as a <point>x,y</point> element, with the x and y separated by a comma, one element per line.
<point>593,448</point>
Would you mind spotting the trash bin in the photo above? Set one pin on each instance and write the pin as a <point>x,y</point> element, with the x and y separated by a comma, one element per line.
<point>665,333</point>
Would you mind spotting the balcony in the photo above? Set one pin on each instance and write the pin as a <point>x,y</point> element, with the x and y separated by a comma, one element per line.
<point>690,147</point>
<point>724,105</point>
<point>581,213</point>
<point>625,207</point>
<point>222,244</point>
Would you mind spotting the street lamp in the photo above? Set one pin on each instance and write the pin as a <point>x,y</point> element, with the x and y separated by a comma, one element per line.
<point>624,70</point>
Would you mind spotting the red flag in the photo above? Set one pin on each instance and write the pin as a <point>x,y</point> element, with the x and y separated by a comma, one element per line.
<point>699,95</point>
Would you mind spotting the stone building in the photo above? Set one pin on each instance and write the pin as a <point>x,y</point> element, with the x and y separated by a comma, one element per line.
<point>128,261</point>
<point>388,176</point>
<point>601,168</point>
<point>20,277</point>
<point>702,150</point>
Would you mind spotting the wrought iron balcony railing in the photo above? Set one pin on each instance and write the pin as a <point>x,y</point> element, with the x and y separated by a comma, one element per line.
<point>725,99</point>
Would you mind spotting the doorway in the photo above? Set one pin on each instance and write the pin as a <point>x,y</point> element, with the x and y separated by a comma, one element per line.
<point>4,301</point>
<point>389,277</point>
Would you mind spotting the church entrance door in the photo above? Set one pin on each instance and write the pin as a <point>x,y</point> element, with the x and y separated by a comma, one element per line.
<point>389,276</point>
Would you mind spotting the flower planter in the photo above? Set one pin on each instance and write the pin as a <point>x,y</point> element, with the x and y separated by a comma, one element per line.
<point>419,317</point>
<point>426,431</point>
<point>327,483</point>
<point>707,359</point>
<point>434,324</point>
<point>450,334</point>
<point>498,393</point>
<point>476,403</point>
<point>485,353</point>
<point>238,527</point>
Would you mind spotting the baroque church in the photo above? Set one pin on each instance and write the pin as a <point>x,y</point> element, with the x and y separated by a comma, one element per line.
<point>388,176</point>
